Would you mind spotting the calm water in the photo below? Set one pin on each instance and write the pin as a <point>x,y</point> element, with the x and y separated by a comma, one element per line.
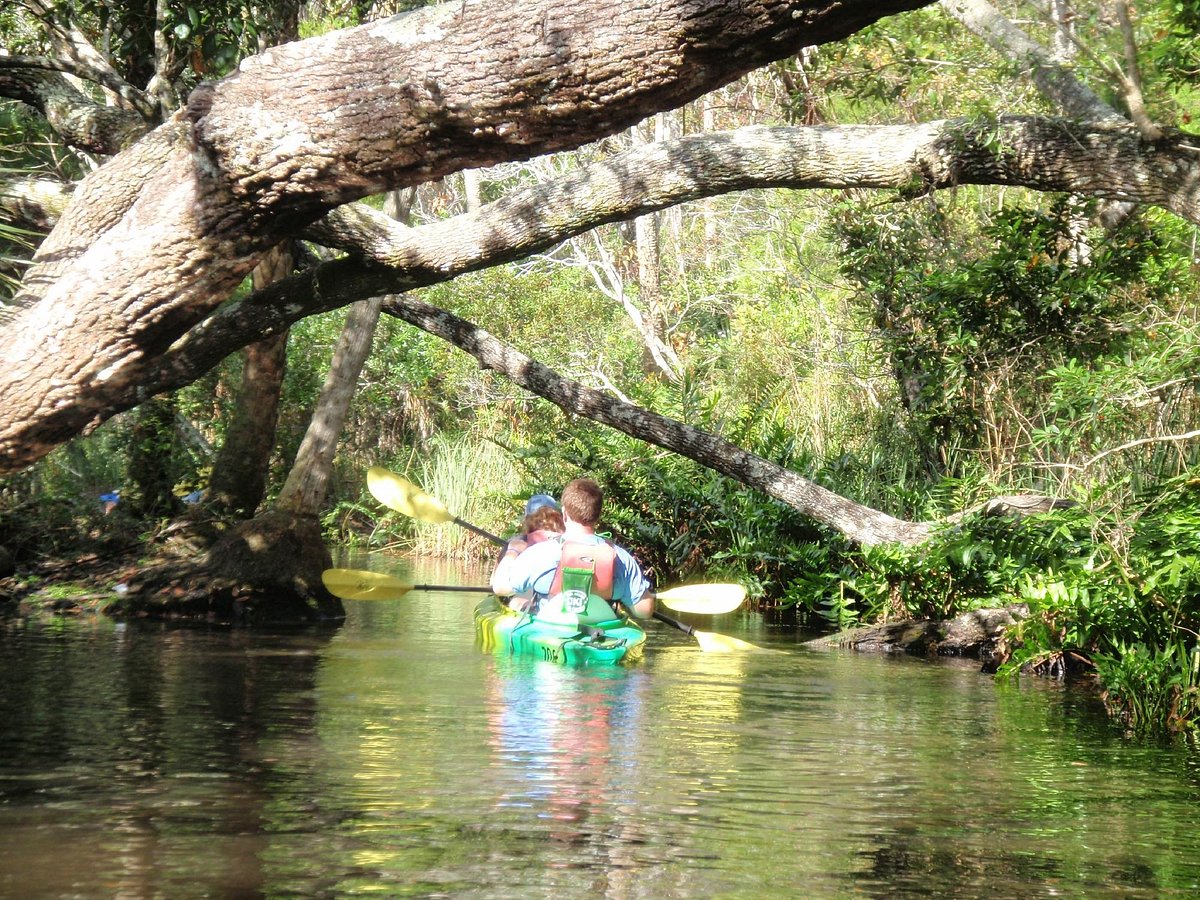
<point>390,757</point>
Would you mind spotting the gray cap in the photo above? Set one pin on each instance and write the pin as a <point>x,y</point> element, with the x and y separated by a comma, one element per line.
<point>537,501</point>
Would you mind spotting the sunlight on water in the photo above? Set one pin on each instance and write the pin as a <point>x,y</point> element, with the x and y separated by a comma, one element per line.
<point>391,756</point>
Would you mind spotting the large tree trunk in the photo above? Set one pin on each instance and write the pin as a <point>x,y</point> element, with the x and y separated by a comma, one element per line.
<point>239,474</point>
<point>155,240</point>
<point>268,568</point>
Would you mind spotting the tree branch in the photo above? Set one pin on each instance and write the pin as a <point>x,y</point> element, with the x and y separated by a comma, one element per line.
<point>107,78</point>
<point>859,523</point>
<point>1053,79</point>
<point>1046,154</point>
<point>76,118</point>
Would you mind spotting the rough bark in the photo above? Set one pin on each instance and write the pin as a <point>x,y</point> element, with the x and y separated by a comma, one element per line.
<point>307,483</point>
<point>76,54</point>
<point>308,126</point>
<point>1014,506</point>
<point>974,634</point>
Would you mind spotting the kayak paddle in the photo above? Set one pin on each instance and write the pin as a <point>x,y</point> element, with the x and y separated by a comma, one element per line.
<point>705,599</point>
<point>709,641</point>
<point>403,496</point>
<point>357,584</point>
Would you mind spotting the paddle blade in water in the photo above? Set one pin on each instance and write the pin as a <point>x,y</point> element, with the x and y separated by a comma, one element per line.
<point>723,643</point>
<point>705,599</point>
<point>356,584</point>
<point>405,497</point>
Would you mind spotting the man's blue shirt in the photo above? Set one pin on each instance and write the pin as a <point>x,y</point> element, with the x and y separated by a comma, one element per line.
<point>534,570</point>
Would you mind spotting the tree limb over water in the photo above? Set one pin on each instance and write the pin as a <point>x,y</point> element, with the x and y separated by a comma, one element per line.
<point>157,239</point>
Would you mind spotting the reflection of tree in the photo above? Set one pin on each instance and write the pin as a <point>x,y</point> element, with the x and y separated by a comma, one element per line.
<point>135,743</point>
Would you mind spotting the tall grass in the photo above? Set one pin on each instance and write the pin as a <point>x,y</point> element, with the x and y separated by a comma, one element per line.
<point>477,482</point>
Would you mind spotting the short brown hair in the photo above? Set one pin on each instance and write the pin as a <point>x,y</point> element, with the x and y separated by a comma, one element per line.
<point>544,518</point>
<point>581,500</point>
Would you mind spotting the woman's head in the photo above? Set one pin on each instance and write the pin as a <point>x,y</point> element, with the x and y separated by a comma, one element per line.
<point>544,518</point>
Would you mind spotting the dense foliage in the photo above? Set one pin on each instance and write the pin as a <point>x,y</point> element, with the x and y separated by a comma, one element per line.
<point>916,354</point>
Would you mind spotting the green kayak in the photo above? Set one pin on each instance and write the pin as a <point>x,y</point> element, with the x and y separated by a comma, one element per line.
<point>499,629</point>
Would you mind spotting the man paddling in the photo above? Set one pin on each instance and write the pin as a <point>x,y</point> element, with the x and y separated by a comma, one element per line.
<point>615,574</point>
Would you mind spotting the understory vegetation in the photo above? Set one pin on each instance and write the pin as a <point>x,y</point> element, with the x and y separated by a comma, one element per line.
<point>920,355</point>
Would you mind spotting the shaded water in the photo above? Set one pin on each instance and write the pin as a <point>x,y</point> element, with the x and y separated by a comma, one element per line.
<point>390,756</point>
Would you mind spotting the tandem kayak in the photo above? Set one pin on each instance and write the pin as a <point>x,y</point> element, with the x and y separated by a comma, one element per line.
<point>500,629</point>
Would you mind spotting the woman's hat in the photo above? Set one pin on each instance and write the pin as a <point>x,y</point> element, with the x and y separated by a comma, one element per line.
<point>537,501</point>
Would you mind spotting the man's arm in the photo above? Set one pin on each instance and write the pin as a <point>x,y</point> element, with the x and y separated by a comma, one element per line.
<point>644,607</point>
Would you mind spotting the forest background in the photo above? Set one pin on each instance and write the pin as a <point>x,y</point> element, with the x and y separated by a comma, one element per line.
<point>920,352</point>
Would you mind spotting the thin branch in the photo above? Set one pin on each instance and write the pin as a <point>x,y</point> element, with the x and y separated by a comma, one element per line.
<point>1165,439</point>
<point>83,70</point>
<point>1132,81</point>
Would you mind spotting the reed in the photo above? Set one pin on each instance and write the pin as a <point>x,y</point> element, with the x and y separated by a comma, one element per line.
<point>476,481</point>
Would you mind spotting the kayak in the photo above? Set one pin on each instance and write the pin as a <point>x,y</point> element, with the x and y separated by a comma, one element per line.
<point>499,629</point>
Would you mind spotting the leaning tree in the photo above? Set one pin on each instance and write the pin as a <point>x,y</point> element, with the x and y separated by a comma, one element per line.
<point>129,293</point>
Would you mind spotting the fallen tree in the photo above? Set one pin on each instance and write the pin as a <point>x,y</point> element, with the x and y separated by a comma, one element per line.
<point>159,237</point>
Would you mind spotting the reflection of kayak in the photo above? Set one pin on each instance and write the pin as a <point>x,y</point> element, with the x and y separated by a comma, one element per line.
<point>503,630</point>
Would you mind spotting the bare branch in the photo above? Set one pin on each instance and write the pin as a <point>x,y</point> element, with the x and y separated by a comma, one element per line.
<point>1141,442</point>
<point>859,523</point>
<point>1052,78</point>
<point>1132,79</point>
<point>105,77</point>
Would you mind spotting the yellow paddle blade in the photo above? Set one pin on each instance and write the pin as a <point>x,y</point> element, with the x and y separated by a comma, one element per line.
<point>405,497</point>
<point>706,599</point>
<point>355,584</point>
<point>722,643</point>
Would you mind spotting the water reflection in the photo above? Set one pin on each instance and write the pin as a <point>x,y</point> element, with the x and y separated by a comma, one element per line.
<point>127,738</point>
<point>558,737</point>
<point>392,757</point>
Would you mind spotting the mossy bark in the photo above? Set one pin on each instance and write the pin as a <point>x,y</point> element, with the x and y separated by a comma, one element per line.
<point>267,569</point>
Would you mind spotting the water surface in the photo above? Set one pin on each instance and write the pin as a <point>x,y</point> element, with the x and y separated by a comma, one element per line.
<point>389,756</point>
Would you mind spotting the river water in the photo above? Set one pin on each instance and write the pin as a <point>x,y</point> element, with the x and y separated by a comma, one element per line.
<point>390,757</point>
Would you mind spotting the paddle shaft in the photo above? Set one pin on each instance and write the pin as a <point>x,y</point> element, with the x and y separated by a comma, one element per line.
<point>674,623</point>
<point>499,541</point>
<point>452,587</point>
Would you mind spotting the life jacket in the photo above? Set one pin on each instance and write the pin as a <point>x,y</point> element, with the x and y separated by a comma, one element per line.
<point>583,584</point>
